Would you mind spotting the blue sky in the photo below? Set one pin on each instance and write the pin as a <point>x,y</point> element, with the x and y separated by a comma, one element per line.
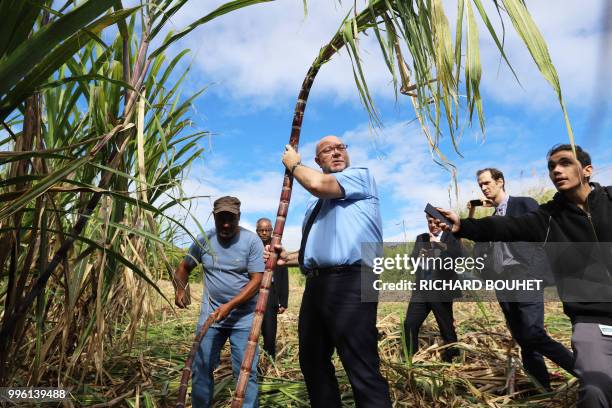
<point>253,62</point>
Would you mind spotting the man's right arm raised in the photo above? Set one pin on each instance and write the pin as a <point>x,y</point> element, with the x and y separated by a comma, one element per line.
<point>529,227</point>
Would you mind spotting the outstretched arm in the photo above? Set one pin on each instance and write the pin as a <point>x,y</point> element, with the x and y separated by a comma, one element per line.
<point>284,258</point>
<point>529,227</point>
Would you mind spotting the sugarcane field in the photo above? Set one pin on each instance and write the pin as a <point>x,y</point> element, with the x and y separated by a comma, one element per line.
<point>298,203</point>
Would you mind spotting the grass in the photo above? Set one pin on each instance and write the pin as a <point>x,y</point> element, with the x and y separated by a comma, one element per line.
<point>480,377</point>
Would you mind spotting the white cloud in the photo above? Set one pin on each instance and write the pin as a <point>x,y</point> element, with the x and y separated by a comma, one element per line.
<point>259,55</point>
<point>573,32</point>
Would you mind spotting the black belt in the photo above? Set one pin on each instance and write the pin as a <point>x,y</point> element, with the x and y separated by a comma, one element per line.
<point>314,272</point>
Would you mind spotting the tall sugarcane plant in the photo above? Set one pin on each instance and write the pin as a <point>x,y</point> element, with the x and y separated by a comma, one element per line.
<point>96,136</point>
<point>441,70</point>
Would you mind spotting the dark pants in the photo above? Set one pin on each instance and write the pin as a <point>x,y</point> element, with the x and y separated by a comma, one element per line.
<point>526,323</point>
<point>332,316</point>
<point>268,328</point>
<point>417,312</point>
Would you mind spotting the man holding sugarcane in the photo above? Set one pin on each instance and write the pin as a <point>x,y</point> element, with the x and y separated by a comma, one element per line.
<point>343,213</point>
<point>231,257</point>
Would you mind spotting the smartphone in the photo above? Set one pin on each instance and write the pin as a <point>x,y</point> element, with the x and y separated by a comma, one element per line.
<point>432,212</point>
<point>476,203</point>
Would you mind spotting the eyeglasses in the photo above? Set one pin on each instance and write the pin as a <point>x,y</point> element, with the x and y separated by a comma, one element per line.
<point>263,229</point>
<point>329,149</point>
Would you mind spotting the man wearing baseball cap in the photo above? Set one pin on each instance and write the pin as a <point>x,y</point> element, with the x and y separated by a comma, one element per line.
<point>232,259</point>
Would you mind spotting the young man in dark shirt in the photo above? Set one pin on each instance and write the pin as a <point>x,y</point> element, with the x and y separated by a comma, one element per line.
<point>579,213</point>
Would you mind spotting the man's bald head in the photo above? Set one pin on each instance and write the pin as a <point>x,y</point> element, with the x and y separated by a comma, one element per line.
<point>331,154</point>
<point>327,140</point>
<point>264,229</point>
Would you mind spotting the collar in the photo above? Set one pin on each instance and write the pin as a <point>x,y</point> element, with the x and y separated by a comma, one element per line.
<point>505,202</point>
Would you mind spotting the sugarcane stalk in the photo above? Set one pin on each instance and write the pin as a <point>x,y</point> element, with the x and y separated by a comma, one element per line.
<point>325,54</point>
<point>187,370</point>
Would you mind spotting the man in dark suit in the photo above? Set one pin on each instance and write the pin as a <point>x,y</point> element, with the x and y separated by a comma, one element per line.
<point>524,311</point>
<point>279,293</point>
<point>434,243</point>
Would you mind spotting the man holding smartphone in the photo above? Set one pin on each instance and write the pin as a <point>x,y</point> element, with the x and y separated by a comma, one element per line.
<point>433,243</point>
<point>523,311</point>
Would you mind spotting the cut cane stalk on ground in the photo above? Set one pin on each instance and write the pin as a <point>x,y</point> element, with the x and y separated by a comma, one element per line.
<point>192,352</point>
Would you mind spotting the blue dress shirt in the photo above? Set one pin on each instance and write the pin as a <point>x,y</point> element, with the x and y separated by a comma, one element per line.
<point>344,224</point>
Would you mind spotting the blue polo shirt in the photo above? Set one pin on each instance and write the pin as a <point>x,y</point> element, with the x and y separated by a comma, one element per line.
<point>226,271</point>
<point>343,224</point>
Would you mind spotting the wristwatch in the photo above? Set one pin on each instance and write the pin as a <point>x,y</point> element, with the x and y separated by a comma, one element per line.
<point>295,167</point>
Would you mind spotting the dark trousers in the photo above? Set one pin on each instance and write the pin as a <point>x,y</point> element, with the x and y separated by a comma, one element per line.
<point>526,323</point>
<point>417,312</point>
<point>332,316</point>
<point>269,324</point>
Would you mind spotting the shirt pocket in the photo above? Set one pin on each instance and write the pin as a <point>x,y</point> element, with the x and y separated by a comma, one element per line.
<point>239,264</point>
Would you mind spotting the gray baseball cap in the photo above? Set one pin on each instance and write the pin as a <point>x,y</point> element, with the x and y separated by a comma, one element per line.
<point>227,203</point>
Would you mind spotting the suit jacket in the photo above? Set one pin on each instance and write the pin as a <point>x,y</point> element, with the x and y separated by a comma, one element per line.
<point>451,248</point>
<point>530,255</point>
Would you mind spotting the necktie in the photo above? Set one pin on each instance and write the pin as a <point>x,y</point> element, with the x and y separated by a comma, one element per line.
<point>307,227</point>
<point>498,252</point>
<point>500,210</point>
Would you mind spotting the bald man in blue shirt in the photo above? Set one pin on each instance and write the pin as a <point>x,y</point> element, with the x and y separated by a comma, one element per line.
<point>343,213</point>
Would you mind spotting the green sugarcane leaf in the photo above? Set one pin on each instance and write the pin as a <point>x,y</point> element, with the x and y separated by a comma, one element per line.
<point>34,49</point>
<point>8,157</point>
<point>18,20</point>
<point>166,15</point>
<point>132,230</point>
<point>473,68</point>
<point>122,25</point>
<point>498,43</point>
<point>533,39</point>
<point>54,60</point>
<point>41,187</point>
<point>86,79</point>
